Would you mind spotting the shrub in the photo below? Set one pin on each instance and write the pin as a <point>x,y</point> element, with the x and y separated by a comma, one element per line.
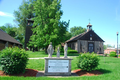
<point>105,54</point>
<point>87,61</point>
<point>13,60</point>
<point>72,51</point>
<point>61,49</point>
<point>69,48</point>
<point>113,54</point>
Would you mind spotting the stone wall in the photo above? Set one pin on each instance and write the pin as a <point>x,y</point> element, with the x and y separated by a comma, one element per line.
<point>73,45</point>
<point>10,44</point>
<point>2,45</point>
<point>82,46</point>
<point>99,48</point>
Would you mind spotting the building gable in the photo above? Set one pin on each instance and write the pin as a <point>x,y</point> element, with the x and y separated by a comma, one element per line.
<point>6,37</point>
<point>86,36</point>
<point>90,34</point>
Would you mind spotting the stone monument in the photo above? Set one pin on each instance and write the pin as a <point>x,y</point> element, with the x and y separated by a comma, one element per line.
<point>56,66</point>
<point>50,50</point>
<point>58,53</point>
<point>65,50</point>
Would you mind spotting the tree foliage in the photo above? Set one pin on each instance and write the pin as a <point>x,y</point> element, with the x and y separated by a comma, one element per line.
<point>14,32</point>
<point>47,26</point>
<point>67,35</point>
<point>8,28</point>
<point>105,47</point>
<point>24,12</point>
<point>77,30</point>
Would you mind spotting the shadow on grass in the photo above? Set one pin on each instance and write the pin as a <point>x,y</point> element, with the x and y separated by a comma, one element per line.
<point>104,71</point>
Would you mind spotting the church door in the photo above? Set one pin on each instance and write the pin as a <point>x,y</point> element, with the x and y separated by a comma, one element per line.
<point>90,47</point>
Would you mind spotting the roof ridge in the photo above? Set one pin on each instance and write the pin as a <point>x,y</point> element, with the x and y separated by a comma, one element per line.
<point>6,37</point>
<point>75,36</point>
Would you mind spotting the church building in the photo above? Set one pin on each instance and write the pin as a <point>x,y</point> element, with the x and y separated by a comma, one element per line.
<point>88,41</point>
<point>7,41</point>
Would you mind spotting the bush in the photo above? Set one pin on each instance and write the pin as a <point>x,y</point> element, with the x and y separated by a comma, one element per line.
<point>72,51</point>
<point>105,54</point>
<point>113,54</point>
<point>13,60</point>
<point>69,48</point>
<point>87,61</point>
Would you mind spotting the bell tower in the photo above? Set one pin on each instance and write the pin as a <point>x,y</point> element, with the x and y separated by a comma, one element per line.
<point>89,26</point>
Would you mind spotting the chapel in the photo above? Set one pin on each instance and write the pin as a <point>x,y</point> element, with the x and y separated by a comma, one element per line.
<point>88,41</point>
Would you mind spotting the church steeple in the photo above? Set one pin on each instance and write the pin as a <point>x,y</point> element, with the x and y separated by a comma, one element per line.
<point>89,26</point>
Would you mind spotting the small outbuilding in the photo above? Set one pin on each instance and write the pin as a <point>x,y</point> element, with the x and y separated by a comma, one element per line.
<point>7,41</point>
<point>88,41</point>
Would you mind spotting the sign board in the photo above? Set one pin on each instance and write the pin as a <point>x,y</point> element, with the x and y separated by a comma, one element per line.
<point>58,65</point>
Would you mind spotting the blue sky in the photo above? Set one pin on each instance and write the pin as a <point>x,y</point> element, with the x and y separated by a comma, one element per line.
<point>104,15</point>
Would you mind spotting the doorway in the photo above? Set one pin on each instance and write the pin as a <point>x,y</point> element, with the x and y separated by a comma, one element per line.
<point>90,47</point>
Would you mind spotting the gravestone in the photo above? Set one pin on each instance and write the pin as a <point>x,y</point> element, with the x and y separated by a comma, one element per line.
<point>58,66</point>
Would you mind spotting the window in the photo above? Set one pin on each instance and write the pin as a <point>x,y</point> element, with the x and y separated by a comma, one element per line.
<point>90,35</point>
<point>90,38</point>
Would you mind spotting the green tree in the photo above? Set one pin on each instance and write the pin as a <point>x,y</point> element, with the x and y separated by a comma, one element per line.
<point>9,29</point>
<point>24,12</point>
<point>46,20</point>
<point>62,30</point>
<point>3,28</point>
<point>77,30</point>
<point>105,47</point>
<point>67,35</point>
<point>14,32</point>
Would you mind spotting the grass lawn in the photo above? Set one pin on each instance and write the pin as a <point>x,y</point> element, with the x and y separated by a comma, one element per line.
<point>37,64</point>
<point>0,67</point>
<point>43,54</point>
<point>109,66</point>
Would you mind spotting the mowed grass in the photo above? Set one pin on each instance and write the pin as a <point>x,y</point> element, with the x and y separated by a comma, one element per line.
<point>0,67</point>
<point>37,64</point>
<point>39,54</point>
<point>109,66</point>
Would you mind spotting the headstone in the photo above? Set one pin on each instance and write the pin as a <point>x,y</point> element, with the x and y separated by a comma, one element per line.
<point>50,50</point>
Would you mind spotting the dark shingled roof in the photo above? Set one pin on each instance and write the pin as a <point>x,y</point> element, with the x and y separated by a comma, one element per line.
<point>85,36</point>
<point>6,37</point>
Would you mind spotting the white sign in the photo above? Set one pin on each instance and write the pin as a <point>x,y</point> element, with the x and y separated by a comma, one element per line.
<point>58,65</point>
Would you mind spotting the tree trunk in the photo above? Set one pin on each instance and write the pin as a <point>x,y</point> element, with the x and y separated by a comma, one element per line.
<point>33,49</point>
<point>30,48</point>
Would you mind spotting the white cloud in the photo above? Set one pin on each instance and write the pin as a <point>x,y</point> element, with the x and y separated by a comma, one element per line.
<point>5,14</point>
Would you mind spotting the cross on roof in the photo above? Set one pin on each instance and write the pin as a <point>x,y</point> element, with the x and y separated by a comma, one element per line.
<point>89,20</point>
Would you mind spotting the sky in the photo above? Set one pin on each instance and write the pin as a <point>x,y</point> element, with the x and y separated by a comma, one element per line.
<point>104,16</point>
